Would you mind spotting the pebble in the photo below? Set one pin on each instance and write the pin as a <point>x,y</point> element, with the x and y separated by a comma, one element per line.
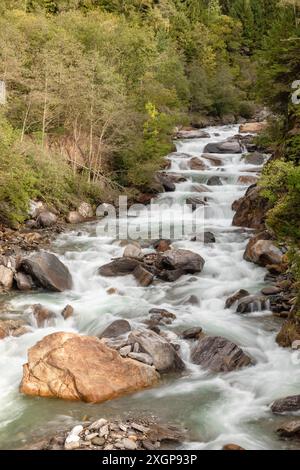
<point>141,357</point>
<point>139,427</point>
<point>72,445</point>
<point>148,445</point>
<point>91,436</point>
<point>123,427</point>
<point>125,350</point>
<point>119,445</point>
<point>129,444</point>
<point>98,441</point>
<point>104,431</point>
<point>109,447</point>
<point>98,424</point>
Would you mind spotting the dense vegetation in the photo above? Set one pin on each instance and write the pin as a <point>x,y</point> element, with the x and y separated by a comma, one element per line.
<point>95,87</point>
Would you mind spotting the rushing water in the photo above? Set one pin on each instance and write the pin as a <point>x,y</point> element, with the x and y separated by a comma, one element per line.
<point>216,408</point>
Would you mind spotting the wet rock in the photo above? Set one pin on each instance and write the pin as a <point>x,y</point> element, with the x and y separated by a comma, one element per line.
<point>161,316</point>
<point>183,260</point>
<point>192,333</point>
<point>85,210</point>
<point>252,127</point>
<point>247,179</point>
<point>142,357</point>
<point>192,134</point>
<point>271,290</point>
<point>200,188</point>
<point>197,164</point>
<point>47,271</point>
<point>209,237</point>
<point>119,267</point>
<point>125,350</point>
<point>115,329</point>
<point>214,181</point>
<point>289,404</point>
<point>12,328</point>
<point>219,354</point>
<point>255,158</point>
<point>212,159</point>
<point>98,441</point>
<point>46,219</point>
<point>223,147</point>
<point>58,364</point>
<point>263,253</point>
<point>164,356</point>
<point>251,209</point>
<point>290,429</point>
<point>143,276</point>
<point>43,315</point>
<point>195,202</point>
<point>252,303</point>
<point>167,183</point>
<point>132,251</point>
<point>67,312</point>
<point>232,447</point>
<point>24,281</point>
<point>162,245</point>
<point>6,278</point>
<point>236,297</point>
<point>74,217</point>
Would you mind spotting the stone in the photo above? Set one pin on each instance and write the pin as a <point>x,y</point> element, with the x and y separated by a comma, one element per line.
<point>46,219</point>
<point>119,267</point>
<point>247,179</point>
<point>67,311</point>
<point>214,160</point>
<point>142,357</point>
<point>74,217</point>
<point>143,276</point>
<point>160,315</point>
<point>232,447</point>
<point>271,290</point>
<point>192,134</point>
<point>224,147</point>
<point>47,271</point>
<point>192,333</point>
<point>290,429</point>
<point>148,445</point>
<point>296,345</point>
<point>197,164</point>
<point>35,207</point>
<point>289,404</point>
<point>219,354</point>
<point>253,127</point>
<point>164,356</point>
<point>183,260</point>
<point>57,367</point>
<point>289,332</point>
<point>132,251</point>
<point>254,158</point>
<point>125,350</point>
<point>209,237</point>
<point>129,444</point>
<point>251,209</point>
<point>42,315</point>
<point>214,181</point>
<point>162,245</point>
<point>24,281</point>
<point>235,297</point>
<point>85,210</point>
<point>6,278</point>
<point>195,202</point>
<point>168,185</point>
<point>98,441</point>
<point>139,427</point>
<point>98,424</point>
<point>263,253</point>
<point>115,329</point>
<point>14,328</point>
<point>252,303</point>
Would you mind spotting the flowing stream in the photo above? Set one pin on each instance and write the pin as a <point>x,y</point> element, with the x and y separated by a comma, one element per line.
<point>216,408</point>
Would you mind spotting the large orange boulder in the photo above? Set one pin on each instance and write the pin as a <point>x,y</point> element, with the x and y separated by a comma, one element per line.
<point>74,367</point>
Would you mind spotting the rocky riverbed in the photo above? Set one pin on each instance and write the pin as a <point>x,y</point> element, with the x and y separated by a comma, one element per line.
<point>188,323</point>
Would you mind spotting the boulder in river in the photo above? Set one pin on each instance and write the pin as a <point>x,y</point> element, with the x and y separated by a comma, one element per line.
<point>115,329</point>
<point>6,277</point>
<point>24,281</point>
<point>46,219</point>
<point>191,133</point>
<point>251,209</point>
<point>223,147</point>
<point>47,271</point>
<point>67,312</point>
<point>236,297</point>
<point>219,354</point>
<point>254,158</point>
<point>165,358</point>
<point>214,181</point>
<point>118,267</point>
<point>43,316</point>
<point>195,202</point>
<point>289,404</point>
<point>13,328</point>
<point>214,160</point>
<point>197,164</point>
<point>57,367</point>
<point>183,260</point>
<point>290,429</point>
<point>252,303</point>
<point>263,252</point>
<point>143,275</point>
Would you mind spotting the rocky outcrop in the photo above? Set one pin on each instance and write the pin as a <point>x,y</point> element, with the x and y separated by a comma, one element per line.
<point>289,404</point>
<point>219,354</point>
<point>251,209</point>
<point>232,146</point>
<point>253,127</point>
<point>58,365</point>
<point>47,271</point>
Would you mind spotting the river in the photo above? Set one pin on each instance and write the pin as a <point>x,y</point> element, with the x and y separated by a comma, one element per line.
<point>216,408</point>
